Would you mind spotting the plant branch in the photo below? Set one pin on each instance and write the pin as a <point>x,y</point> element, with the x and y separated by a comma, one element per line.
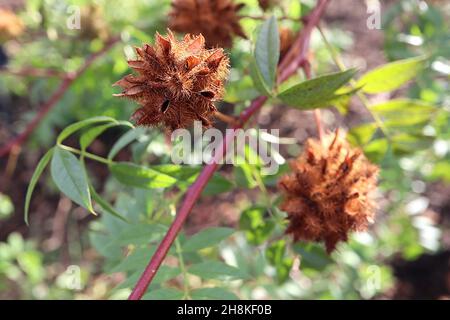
<point>197,187</point>
<point>54,99</point>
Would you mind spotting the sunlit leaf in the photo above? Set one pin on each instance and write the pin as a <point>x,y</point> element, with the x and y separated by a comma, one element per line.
<point>317,92</point>
<point>391,76</point>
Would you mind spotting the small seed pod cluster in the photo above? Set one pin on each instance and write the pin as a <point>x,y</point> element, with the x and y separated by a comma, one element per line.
<point>216,20</point>
<point>330,191</point>
<point>177,82</point>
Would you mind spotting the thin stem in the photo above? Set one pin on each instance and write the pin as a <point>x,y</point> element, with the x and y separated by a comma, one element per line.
<point>306,66</point>
<point>86,154</point>
<point>197,187</point>
<point>362,97</point>
<point>183,268</point>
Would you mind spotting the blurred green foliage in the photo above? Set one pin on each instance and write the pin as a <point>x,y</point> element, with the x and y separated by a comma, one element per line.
<point>138,200</point>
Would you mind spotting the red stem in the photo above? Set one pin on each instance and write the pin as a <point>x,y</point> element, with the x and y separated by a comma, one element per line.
<point>197,187</point>
<point>53,100</point>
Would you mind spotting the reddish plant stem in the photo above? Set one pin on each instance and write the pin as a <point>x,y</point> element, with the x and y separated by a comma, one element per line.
<point>197,187</point>
<point>53,100</point>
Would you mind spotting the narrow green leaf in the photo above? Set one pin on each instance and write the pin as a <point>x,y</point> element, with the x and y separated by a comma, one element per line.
<point>141,177</point>
<point>125,140</point>
<point>216,270</point>
<point>105,205</point>
<point>135,261</point>
<point>391,76</point>
<point>258,80</point>
<point>212,294</point>
<point>81,124</point>
<point>141,234</point>
<point>207,238</point>
<point>317,92</point>
<point>91,134</point>
<point>402,107</point>
<point>70,177</point>
<point>34,179</point>
<point>267,51</point>
<point>312,256</point>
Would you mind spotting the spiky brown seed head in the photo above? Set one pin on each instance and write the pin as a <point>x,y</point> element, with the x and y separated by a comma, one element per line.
<point>330,192</point>
<point>216,20</point>
<point>11,26</point>
<point>177,82</point>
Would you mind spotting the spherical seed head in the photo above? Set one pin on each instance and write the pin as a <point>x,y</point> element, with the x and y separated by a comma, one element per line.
<point>216,20</point>
<point>330,191</point>
<point>177,82</point>
<point>10,25</point>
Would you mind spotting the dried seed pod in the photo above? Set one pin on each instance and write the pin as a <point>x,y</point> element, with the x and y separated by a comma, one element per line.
<point>216,20</point>
<point>176,82</point>
<point>329,192</point>
<point>11,26</point>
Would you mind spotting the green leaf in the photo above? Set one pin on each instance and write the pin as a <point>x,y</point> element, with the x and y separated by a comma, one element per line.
<point>105,205</point>
<point>391,76</point>
<point>216,270</point>
<point>258,80</point>
<point>317,92</point>
<point>164,274</point>
<point>212,294</point>
<point>135,261</point>
<point>141,234</point>
<point>217,184</point>
<point>81,124</point>
<point>362,134</point>
<point>312,256</point>
<point>70,177</point>
<point>257,226</point>
<point>404,114</point>
<point>207,238</point>
<point>275,254</point>
<point>91,134</point>
<point>125,140</point>
<point>139,176</point>
<point>267,51</point>
<point>34,179</point>
<point>164,294</point>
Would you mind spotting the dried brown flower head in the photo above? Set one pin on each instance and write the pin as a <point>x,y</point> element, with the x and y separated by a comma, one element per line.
<point>177,81</point>
<point>328,194</point>
<point>216,20</point>
<point>10,25</point>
